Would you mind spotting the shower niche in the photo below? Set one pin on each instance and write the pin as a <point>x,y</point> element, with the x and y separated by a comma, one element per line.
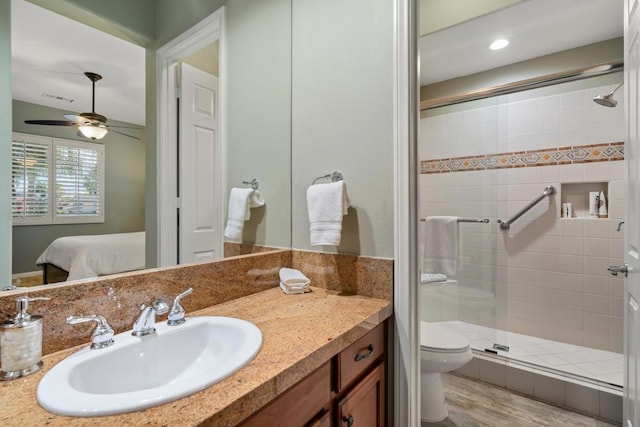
<point>577,194</point>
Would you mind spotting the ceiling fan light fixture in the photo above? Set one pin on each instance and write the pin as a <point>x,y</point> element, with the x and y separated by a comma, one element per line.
<point>93,131</point>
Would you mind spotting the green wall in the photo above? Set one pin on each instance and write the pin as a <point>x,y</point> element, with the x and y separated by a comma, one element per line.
<point>124,187</point>
<point>5,138</point>
<point>343,117</point>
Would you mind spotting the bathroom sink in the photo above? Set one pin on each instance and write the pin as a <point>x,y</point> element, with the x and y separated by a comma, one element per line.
<point>140,372</point>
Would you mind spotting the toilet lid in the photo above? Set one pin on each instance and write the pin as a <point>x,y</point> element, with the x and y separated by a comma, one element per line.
<point>438,338</point>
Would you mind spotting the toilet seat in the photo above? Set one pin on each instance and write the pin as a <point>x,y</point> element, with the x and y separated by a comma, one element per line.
<point>435,338</point>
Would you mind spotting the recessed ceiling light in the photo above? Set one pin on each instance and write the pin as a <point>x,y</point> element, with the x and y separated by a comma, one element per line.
<point>499,44</point>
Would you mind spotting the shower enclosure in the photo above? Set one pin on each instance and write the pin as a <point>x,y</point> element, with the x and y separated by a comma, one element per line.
<point>535,293</point>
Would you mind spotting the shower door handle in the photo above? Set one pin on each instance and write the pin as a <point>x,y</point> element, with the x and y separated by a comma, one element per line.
<point>615,269</point>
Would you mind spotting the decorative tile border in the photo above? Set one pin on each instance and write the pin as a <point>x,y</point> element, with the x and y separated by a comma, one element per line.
<point>544,157</point>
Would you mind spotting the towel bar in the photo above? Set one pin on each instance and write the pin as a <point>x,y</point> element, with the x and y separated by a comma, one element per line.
<point>334,176</point>
<point>254,183</point>
<point>480,220</point>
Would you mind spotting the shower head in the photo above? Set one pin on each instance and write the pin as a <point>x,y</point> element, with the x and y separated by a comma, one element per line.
<point>607,100</point>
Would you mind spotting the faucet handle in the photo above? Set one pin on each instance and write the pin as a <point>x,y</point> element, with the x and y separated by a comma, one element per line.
<point>176,314</point>
<point>102,335</point>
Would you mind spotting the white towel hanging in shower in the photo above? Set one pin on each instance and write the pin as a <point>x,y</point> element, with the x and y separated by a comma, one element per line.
<point>441,245</point>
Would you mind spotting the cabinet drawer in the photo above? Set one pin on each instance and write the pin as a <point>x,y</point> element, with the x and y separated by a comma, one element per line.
<point>298,405</point>
<point>355,359</point>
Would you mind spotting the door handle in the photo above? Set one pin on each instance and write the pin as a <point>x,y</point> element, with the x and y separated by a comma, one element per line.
<point>615,269</point>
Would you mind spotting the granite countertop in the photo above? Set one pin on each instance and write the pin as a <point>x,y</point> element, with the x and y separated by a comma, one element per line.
<point>300,333</point>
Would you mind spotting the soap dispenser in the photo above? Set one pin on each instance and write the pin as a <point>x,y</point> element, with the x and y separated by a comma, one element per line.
<point>21,342</point>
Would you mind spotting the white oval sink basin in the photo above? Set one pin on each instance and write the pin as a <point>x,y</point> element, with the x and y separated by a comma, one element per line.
<point>140,372</point>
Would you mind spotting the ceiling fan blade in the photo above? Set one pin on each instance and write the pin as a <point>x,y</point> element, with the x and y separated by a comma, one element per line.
<point>74,118</point>
<point>51,122</point>
<point>121,133</point>
<point>124,127</point>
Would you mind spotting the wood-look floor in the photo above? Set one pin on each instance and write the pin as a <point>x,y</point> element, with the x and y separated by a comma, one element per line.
<point>27,281</point>
<point>476,404</point>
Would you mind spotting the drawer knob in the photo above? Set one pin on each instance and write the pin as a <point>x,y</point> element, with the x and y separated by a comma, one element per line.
<point>348,420</point>
<point>364,353</point>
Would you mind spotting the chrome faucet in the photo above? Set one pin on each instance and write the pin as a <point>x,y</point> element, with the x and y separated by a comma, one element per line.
<point>102,335</point>
<point>176,314</point>
<point>145,323</point>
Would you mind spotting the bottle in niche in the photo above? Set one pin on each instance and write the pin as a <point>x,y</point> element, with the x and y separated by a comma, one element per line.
<point>594,203</point>
<point>602,206</point>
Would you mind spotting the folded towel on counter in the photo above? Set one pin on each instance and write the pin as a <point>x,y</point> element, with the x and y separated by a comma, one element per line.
<point>327,204</point>
<point>240,202</point>
<point>293,281</point>
<point>293,277</point>
<point>441,245</point>
<point>291,291</point>
<point>432,278</point>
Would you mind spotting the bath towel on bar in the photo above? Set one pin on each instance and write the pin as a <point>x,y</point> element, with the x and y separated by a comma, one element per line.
<point>441,245</point>
<point>240,202</point>
<point>327,204</point>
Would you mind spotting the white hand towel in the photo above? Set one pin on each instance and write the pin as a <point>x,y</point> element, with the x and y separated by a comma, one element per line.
<point>291,291</point>
<point>293,278</point>
<point>238,212</point>
<point>255,201</point>
<point>441,245</point>
<point>327,204</point>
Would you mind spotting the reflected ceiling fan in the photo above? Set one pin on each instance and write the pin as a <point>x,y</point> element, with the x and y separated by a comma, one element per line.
<point>90,125</point>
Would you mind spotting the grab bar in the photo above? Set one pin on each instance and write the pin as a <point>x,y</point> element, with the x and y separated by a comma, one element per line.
<point>481,220</point>
<point>548,191</point>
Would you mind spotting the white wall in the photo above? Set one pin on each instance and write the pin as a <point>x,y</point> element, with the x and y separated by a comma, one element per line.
<point>547,275</point>
<point>343,116</point>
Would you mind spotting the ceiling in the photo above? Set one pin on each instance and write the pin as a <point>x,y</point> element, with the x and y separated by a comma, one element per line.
<point>534,27</point>
<point>50,54</point>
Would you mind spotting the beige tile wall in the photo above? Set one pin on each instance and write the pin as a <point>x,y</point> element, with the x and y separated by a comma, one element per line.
<point>547,276</point>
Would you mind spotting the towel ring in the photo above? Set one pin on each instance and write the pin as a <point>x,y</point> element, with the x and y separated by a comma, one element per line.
<point>334,176</point>
<point>254,183</point>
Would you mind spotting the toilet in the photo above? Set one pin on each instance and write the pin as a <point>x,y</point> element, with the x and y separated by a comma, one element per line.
<point>441,350</point>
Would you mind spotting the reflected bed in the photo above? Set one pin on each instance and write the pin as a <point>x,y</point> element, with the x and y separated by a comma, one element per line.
<point>83,257</point>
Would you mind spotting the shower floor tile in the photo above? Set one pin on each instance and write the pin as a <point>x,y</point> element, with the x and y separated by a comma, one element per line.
<point>599,365</point>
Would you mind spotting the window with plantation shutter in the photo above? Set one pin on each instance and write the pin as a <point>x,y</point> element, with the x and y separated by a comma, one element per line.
<point>30,183</point>
<point>57,181</point>
<point>78,184</point>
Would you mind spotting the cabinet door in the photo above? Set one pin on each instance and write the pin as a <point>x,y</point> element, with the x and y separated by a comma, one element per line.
<point>364,405</point>
<point>299,404</point>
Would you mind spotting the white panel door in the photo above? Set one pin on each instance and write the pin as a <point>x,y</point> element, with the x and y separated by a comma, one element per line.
<point>199,166</point>
<point>632,228</point>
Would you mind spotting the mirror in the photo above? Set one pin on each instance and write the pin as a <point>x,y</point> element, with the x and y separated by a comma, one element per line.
<point>256,113</point>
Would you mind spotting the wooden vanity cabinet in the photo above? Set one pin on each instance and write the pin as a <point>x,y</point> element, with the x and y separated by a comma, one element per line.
<point>347,391</point>
<point>360,382</point>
